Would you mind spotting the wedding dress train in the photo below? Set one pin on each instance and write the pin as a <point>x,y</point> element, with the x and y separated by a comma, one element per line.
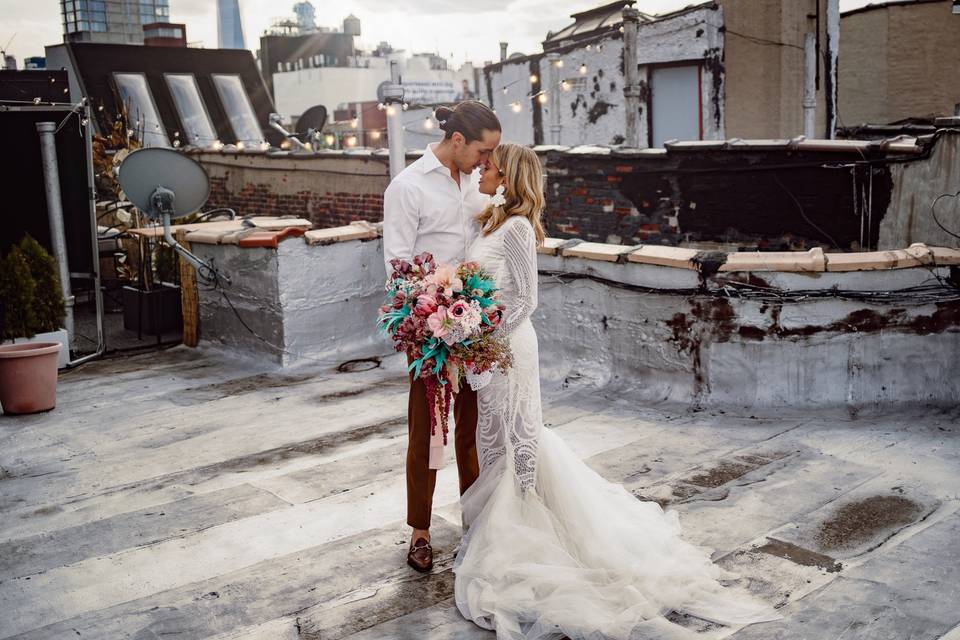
<point>552,548</point>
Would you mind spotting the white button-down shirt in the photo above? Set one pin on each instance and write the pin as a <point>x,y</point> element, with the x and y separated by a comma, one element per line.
<point>424,210</point>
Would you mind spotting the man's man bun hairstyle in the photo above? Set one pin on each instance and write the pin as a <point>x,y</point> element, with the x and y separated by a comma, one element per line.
<point>469,118</point>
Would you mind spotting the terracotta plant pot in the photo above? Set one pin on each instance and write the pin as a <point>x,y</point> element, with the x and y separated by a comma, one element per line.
<point>28,377</point>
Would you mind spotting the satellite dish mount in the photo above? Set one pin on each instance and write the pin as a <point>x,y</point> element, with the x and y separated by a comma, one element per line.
<point>165,184</point>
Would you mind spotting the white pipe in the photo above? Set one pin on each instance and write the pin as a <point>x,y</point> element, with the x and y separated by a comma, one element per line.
<point>556,128</point>
<point>398,155</point>
<point>809,85</point>
<point>58,237</point>
<point>631,88</point>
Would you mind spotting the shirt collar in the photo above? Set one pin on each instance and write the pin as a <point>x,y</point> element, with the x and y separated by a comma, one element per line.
<point>430,160</point>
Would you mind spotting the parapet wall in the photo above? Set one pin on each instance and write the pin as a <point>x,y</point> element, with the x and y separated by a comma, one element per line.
<point>657,323</point>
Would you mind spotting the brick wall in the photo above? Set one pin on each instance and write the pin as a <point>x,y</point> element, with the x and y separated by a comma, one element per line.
<point>328,189</point>
<point>323,209</point>
<point>706,198</point>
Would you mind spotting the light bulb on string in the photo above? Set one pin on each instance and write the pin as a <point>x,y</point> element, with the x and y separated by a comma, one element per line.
<point>559,64</point>
<point>533,78</point>
<point>504,91</point>
<point>565,85</point>
<point>330,140</point>
<point>375,135</point>
<point>583,69</point>
<point>428,123</point>
<point>542,98</point>
<point>354,123</point>
<point>391,111</point>
<point>517,107</point>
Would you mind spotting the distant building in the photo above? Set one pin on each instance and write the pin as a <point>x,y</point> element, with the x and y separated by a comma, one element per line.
<point>710,71</point>
<point>900,62</point>
<point>110,21</point>
<point>297,90</point>
<point>286,48</point>
<point>165,34</point>
<point>229,26</point>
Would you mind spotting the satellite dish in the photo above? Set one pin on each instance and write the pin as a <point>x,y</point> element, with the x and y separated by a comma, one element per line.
<point>146,170</point>
<point>166,184</point>
<point>312,121</point>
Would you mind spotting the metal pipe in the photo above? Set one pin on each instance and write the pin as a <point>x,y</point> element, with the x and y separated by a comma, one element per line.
<point>631,88</point>
<point>58,237</point>
<point>398,155</point>
<point>810,67</point>
<point>556,129</point>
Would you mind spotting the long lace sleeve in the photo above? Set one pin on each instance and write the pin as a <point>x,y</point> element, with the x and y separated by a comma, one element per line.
<point>523,419</point>
<point>520,257</point>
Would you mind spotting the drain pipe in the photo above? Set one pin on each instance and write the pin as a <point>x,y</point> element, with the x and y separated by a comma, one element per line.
<point>58,238</point>
<point>810,86</point>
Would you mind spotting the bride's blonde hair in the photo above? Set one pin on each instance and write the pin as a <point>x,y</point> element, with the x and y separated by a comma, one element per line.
<point>524,190</point>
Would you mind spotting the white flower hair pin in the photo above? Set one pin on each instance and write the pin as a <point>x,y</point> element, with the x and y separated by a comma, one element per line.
<point>498,199</point>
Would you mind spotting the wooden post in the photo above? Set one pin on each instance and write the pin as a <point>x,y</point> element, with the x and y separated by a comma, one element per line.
<point>189,296</point>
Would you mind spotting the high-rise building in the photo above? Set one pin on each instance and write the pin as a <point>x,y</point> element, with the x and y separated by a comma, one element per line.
<point>111,21</point>
<point>229,28</point>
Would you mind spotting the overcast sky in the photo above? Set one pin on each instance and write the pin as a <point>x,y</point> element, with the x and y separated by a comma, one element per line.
<point>457,30</point>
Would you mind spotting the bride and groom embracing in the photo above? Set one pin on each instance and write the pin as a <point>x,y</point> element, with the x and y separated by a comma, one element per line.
<point>550,548</point>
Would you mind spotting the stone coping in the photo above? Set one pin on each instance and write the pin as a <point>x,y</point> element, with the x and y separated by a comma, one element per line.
<point>270,231</point>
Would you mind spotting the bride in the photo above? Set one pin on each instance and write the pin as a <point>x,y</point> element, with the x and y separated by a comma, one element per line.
<point>552,549</point>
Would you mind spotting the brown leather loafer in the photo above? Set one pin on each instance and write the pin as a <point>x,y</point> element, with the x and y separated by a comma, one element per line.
<point>420,557</point>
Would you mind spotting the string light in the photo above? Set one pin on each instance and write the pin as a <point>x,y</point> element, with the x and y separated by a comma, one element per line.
<point>307,146</point>
<point>330,140</point>
<point>354,123</point>
<point>583,69</point>
<point>589,47</point>
<point>542,98</point>
<point>240,145</point>
<point>517,107</point>
<point>391,111</point>
<point>217,145</point>
<point>375,135</point>
<point>565,85</point>
<point>286,144</point>
<point>428,124</point>
<point>533,78</point>
<point>504,91</point>
<point>351,141</point>
<point>559,64</point>
<point>266,145</point>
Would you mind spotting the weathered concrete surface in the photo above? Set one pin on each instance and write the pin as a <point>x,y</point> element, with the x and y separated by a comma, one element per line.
<point>187,494</point>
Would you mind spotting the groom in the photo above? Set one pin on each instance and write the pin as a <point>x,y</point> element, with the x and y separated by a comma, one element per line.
<point>430,206</point>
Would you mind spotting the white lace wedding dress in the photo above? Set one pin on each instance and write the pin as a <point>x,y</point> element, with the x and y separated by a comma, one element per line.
<point>552,548</point>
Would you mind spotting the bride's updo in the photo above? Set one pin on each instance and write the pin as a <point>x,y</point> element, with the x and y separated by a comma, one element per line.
<point>524,190</point>
<point>469,118</point>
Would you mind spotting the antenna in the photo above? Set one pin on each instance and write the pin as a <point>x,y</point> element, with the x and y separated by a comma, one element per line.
<point>165,184</point>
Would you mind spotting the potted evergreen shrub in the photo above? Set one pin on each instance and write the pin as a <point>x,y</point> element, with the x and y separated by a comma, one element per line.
<point>31,301</point>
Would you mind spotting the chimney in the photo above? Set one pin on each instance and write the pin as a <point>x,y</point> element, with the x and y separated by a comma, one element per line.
<point>503,51</point>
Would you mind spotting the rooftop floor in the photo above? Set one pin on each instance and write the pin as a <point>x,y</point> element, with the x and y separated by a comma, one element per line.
<point>186,494</point>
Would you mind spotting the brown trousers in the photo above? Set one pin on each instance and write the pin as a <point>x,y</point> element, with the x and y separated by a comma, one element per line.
<point>421,480</point>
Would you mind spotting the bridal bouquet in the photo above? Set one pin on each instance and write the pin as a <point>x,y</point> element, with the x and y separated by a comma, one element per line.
<point>443,318</point>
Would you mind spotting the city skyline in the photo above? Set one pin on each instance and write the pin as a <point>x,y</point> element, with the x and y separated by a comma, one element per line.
<point>457,31</point>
